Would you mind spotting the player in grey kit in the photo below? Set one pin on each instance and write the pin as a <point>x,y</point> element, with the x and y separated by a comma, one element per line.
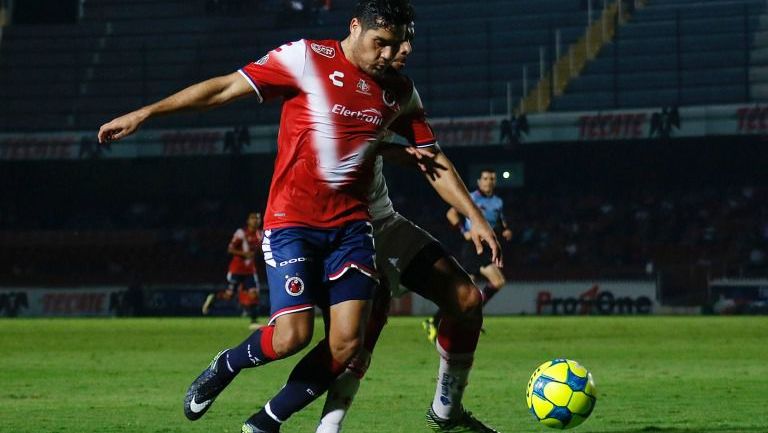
<point>409,258</point>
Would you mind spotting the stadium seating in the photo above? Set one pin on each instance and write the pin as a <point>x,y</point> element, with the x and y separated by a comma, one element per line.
<point>126,51</point>
<point>647,64</point>
<point>129,51</point>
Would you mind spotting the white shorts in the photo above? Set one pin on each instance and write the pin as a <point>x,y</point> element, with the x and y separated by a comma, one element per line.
<point>398,241</point>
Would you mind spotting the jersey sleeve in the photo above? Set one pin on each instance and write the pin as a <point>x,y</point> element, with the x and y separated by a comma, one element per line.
<point>412,123</point>
<point>279,72</point>
<point>237,239</point>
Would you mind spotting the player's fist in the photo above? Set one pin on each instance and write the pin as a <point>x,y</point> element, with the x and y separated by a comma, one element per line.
<point>507,235</point>
<point>121,127</point>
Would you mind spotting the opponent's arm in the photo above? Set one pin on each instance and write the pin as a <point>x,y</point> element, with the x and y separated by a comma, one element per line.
<point>442,175</point>
<point>211,93</point>
<point>507,232</point>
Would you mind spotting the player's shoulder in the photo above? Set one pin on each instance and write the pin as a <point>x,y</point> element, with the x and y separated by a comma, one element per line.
<point>322,48</point>
<point>397,82</point>
<point>289,51</point>
<point>239,233</point>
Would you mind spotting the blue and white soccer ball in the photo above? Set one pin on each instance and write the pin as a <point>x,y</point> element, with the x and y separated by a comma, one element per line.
<point>561,393</point>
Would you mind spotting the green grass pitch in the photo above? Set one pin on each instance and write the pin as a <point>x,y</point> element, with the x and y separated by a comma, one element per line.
<point>654,374</point>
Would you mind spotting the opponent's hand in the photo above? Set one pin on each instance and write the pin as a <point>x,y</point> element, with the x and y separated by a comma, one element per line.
<point>481,232</point>
<point>425,160</point>
<point>121,127</point>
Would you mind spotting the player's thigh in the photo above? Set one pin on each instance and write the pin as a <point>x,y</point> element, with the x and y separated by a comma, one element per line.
<point>445,283</point>
<point>493,274</point>
<point>350,269</point>
<point>294,271</point>
<point>398,242</point>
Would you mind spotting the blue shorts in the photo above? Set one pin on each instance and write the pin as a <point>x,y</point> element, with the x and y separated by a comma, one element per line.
<point>249,281</point>
<point>305,266</point>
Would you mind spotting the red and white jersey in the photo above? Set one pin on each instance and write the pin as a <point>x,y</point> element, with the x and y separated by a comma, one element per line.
<point>245,240</point>
<point>333,116</point>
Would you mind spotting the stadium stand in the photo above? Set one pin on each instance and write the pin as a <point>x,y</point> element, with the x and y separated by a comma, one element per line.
<point>675,52</point>
<point>128,52</point>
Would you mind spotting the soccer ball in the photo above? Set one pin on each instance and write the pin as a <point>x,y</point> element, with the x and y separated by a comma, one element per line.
<point>561,393</point>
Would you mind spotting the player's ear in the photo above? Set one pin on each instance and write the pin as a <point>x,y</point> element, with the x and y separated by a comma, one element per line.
<point>355,28</point>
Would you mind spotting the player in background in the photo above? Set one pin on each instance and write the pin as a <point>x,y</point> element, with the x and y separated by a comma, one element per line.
<point>243,276</point>
<point>339,99</point>
<point>409,258</point>
<point>479,265</point>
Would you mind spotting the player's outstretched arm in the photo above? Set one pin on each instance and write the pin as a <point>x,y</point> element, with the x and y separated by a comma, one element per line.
<point>211,93</point>
<point>442,175</point>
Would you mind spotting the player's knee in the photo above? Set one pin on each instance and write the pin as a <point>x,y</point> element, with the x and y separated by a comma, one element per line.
<point>470,300</point>
<point>359,364</point>
<point>469,303</point>
<point>345,349</point>
<point>291,340</point>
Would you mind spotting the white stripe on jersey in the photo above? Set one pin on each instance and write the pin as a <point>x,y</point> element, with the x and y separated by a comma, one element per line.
<point>332,170</point>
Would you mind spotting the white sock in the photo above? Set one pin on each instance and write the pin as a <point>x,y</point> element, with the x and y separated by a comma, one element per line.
<point>451,380</point>
<point>341,393</point>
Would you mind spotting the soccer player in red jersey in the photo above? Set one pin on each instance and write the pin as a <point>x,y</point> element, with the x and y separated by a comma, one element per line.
<point>339,99</point>
<point>243,277</point>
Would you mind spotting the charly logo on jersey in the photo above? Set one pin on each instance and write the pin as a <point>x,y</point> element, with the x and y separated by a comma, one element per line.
<point>363,87</point>
<point>336,78</point>
<point>294,286</point>
<point>369,115</point>
<point>323,50</point>
<point>262,61</point>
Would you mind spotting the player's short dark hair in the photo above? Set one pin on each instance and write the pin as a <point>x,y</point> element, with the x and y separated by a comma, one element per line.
<point>376,14</point>
<point>486,170</point>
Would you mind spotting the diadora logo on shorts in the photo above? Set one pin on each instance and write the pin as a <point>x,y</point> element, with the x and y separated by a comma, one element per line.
<point>369,115</point>
<point>292,261</point>
<point>324,51</point>
<point>294,286</point>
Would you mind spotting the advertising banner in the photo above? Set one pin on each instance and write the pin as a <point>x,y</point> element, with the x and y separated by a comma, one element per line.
<point>627,124</point>
<point>59,302</point>
<point>567,298</point>
<point>742,296</point>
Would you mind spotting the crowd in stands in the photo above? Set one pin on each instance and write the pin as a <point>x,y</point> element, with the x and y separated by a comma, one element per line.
<point>557,234</point>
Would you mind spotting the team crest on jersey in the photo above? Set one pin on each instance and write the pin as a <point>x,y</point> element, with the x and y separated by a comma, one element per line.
<point>324,51</point>
<point>262,60</point>
<point>363,87</point>
<point>390,100</point>
<point>294,286</point>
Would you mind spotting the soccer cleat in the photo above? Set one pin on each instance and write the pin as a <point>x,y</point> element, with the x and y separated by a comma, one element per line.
<point>205,389</point>
<point>250,428</point>
<point>464,423</point>
<point>429,326</point>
